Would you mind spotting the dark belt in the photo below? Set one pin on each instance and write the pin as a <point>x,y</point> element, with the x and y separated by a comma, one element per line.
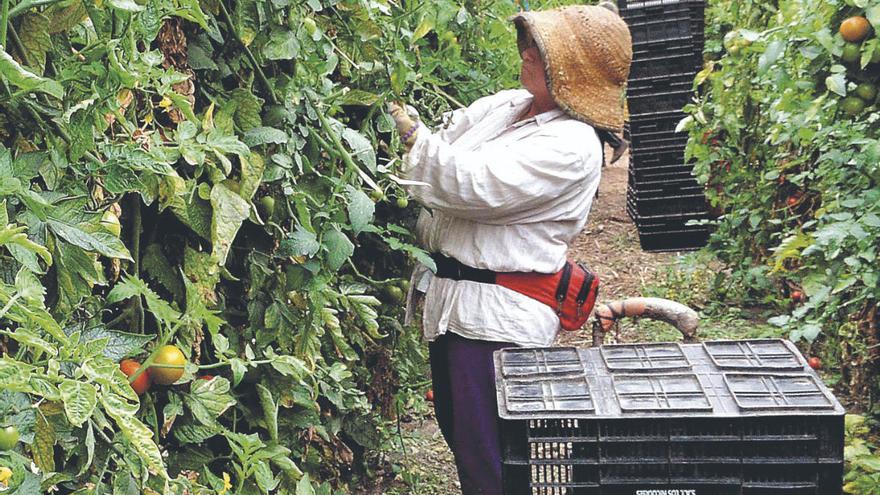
<point>453,269</point>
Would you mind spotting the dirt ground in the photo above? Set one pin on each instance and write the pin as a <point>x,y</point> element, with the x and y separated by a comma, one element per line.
<point>609,245</point>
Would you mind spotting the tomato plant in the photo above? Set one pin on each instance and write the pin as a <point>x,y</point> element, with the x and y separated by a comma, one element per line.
<point>795,115</point>
<point>199,174</point>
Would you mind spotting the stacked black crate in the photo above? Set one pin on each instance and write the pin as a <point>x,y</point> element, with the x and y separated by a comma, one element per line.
<point>663,196</point>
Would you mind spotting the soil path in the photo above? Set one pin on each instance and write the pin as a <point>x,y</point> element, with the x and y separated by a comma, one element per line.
<point>609,245</point>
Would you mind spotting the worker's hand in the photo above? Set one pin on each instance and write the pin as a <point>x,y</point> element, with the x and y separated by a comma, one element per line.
<point>407,122</point>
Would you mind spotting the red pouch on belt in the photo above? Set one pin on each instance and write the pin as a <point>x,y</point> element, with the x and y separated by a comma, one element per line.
<point>571,292</point>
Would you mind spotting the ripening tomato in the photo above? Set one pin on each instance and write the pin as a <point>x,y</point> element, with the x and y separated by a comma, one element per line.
<point>167,366</point>
<point>429,396</point>
<point>129,367</point>
<point>855,29</point>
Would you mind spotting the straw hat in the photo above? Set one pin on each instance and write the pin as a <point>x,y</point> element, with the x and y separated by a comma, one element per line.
<point>587,51</point>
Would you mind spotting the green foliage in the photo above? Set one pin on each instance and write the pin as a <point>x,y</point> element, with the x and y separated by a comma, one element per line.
<point>180,118</point>
<point>794,175</point>
<point>862,457</point>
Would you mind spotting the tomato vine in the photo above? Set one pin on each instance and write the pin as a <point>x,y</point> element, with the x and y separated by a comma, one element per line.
<point>790,163</point>
<point>199,173</point>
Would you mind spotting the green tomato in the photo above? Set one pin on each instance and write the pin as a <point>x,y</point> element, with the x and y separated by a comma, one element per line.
<point>267,203</point>
<point>377,195</point>
<point>8,437</point>
<point>852,52</point>
<point>395,294</point>
<point>852,105</point>
<point>866,91</point>
<point>310,26</point>
<point>402,202</point>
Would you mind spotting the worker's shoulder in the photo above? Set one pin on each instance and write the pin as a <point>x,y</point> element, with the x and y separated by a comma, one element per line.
<point>503,97</point>
<point>568,128</point>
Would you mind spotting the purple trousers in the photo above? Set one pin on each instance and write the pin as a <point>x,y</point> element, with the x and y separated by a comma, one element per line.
<point>463,377</point>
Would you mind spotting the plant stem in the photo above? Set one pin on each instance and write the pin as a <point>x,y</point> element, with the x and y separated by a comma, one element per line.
<point>124,315</point>
<point>9,304</point>
<point>136,255</point>
<point>107,439</point>
<point>19,46</point>
<point>4,21</point>
<point>346,156</point>
<point>28,4</point>
<point>223,363</point>
<point>253,60</point>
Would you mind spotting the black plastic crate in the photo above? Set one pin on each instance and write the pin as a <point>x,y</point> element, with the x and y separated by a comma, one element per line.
<point>650,222</point>
<point>674,205</point>
<point>665,185</point>
<point>668,61</point>
<point>673,240</point>
<point>648,227</point>
<point>663,418</point>
<point>650,155</point>
<point>637,176</point>
<point>660,140</point>
<point>662,20</point>
<point>648,86</point>
<point>662,101</point>
<point>660,223</point>
<point>664,122</point>
<point>672,191</point>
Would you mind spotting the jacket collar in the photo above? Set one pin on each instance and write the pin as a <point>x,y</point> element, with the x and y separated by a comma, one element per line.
<point>522,100</point>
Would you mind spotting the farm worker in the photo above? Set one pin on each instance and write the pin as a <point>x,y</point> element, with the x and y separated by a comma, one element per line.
<point>507,184</point>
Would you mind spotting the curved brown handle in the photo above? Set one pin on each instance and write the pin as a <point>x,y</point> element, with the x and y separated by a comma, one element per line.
<point>676,314</point>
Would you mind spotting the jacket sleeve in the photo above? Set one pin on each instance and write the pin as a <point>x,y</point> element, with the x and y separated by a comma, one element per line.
<point>458,121</point>
<point>533,179</point>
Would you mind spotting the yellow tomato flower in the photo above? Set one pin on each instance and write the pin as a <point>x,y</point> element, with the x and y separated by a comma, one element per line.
<point>227,484</point>
<point>5,475</point>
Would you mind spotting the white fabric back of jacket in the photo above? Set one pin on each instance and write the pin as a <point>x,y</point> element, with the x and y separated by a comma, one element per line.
<point>505,196</point>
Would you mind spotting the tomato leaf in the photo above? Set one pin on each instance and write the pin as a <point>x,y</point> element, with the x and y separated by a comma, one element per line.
<point>360,209</point>
<point>230,210</point>
<point>140,436</point>
<point>98,242</point>
<point>339,248</point>
<point>208,399</point>
<point>28,81</point>
<point>80,399</point>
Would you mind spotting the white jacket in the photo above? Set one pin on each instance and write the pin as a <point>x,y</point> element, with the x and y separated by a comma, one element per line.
<point>505,196</point>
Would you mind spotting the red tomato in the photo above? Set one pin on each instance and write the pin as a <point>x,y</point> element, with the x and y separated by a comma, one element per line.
<point>429,396</point>
<point>130,367</point>
<point>206,377</point>
<point>797,296</point>
<point>815,363</point>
